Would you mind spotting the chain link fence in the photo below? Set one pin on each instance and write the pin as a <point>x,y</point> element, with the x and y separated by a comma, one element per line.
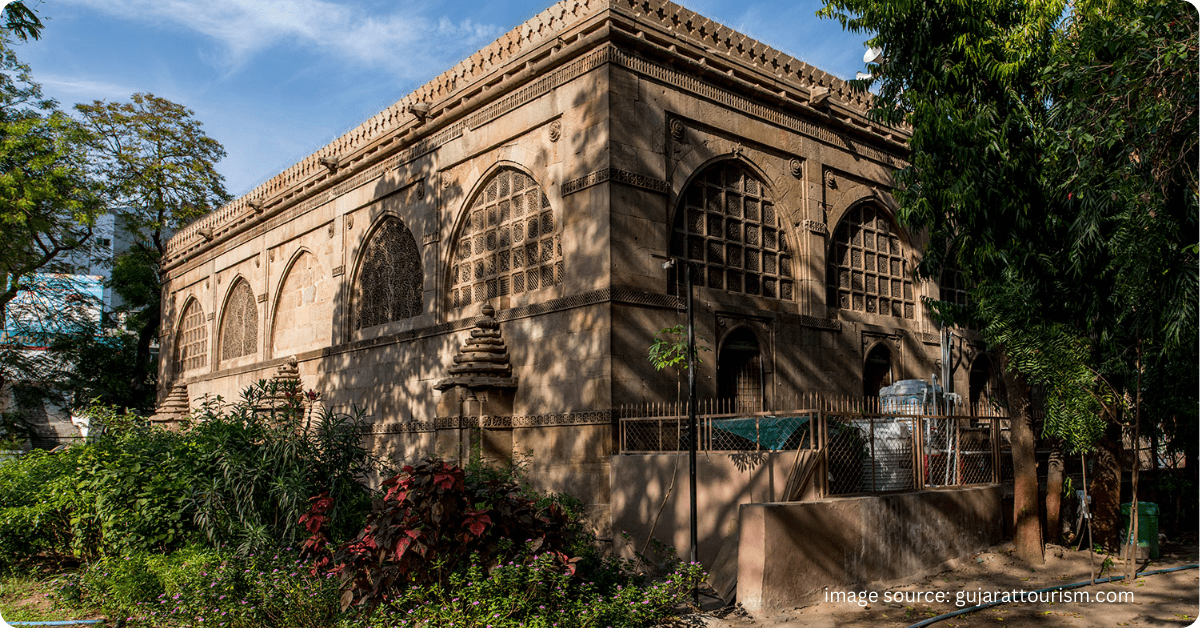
<point>720,433</point>
<point>860,452</point>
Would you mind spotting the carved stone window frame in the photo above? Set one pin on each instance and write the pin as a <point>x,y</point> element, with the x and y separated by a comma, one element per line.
<point>491,248</point>
<point>857,265</point>
<point>753,254</point>
<point>238,331</point>
<point>416,276</point>
<point>191,339</point>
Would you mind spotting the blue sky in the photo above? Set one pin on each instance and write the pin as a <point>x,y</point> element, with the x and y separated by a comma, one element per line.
<point>274,80</point>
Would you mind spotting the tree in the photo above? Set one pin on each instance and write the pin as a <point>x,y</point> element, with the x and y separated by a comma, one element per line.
<point>22,21</point>
<point>48,201</point>
<point>1070,208</point>
<point>160,172</point>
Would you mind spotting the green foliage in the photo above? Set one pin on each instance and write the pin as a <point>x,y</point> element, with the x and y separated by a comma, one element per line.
<point>266,456</point>
<point>22,21</point>
<point>431,519</point>
<point>240,477</point>
<point>535,592</point>
<point>36,496</point>
<point>1053,162</point>
<point>48,197</point>
<point>1055,358</point>
<point>202,586</point>
<point>159,164</point>
<point>670,348</point>
<point>132,488</point>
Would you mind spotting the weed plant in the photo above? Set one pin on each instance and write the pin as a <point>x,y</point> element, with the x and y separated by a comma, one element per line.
<point>204,587</point>
<point>536,593</point>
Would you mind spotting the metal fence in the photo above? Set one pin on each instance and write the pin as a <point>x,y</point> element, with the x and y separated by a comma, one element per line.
<point>861,450</point>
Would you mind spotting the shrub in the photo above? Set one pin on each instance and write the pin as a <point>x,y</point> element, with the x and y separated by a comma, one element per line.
<point>430,521</point>
<point>239,474</point>
<point>197,586</point>
<point>36,495</point>
<point>266,456</point>
<point>536,593</point>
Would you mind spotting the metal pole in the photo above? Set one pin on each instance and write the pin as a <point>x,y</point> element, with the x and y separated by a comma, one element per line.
<point>692,421</point>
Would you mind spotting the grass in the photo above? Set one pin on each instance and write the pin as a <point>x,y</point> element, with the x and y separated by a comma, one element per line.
<point>43,595</point>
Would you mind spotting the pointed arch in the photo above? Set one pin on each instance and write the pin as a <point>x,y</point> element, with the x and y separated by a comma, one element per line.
<point>191,339</point>
<point>508,241</point>
<point>740,376</point>
<point>239,322</point>
<point>726,224</point>
<point>867,265</point>
<point>878,365</point>
<point>303,307</point>
<point>389,283</point>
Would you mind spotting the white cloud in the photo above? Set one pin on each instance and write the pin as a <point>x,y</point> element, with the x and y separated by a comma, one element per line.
<point>73,87</point>
<point>398,41</point>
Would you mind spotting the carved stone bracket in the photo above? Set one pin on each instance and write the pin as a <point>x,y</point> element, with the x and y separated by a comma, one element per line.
<point>816,226</point>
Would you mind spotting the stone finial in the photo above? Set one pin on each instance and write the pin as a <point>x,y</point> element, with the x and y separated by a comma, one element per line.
<point>482,361</point>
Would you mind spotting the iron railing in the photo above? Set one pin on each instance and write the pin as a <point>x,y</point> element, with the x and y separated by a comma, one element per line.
<point>860,449</point>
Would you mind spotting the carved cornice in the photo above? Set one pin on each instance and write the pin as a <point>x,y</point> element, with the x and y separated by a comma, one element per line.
<point>619,176</point>
<point>509,61</point>
<point>588,417</point>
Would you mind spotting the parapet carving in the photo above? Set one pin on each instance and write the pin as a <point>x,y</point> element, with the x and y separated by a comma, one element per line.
<point>448,89</point>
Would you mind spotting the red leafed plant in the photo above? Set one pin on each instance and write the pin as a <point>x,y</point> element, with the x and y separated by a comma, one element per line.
<point>433,520</point>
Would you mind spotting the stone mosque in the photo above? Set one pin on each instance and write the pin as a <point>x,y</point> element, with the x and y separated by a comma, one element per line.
<point>485,258</point>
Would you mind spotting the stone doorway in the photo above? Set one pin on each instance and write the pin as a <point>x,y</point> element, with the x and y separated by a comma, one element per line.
<point>877,370</point>
<point>740,372</point>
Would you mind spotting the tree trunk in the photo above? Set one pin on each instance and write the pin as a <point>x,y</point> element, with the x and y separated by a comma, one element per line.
<point>1106,488</point>
<point>1027,528</point>
<point>1054,482</point>
<point>143,375</point>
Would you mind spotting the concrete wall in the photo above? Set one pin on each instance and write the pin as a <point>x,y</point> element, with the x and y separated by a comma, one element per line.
<point>644,484</point>
<point>790,552</point>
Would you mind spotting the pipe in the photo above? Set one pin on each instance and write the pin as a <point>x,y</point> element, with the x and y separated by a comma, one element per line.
<point>1061,587</point>
<point>77,622</point>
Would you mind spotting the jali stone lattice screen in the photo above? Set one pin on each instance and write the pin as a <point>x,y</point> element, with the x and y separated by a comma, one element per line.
<point>867,271</point>
<point>389,281</point>
<point>239,323</point>
<point>728,228</point>
<point>191,347</point>
<point>509,243</point>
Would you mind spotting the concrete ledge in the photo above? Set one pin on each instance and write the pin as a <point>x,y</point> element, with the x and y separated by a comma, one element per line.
<point>788,553</point>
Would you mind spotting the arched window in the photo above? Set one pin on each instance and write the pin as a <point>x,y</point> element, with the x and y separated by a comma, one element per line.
<point>303,308</point>
<point>191,346</point>
<point>509,243</point>
<point>389,279</point>
<point>867,271</point>
<point>728,228</point>
<point>239,322</point>
<point>954,287</point>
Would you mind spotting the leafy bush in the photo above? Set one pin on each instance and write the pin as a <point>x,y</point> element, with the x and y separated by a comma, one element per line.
<point>36,492</point>
<point>207,587</point>
<point>238,475</point>
<point>266,456</point>
<point>429,523</point>
<point>133,488</point>
<point>537,593</point>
